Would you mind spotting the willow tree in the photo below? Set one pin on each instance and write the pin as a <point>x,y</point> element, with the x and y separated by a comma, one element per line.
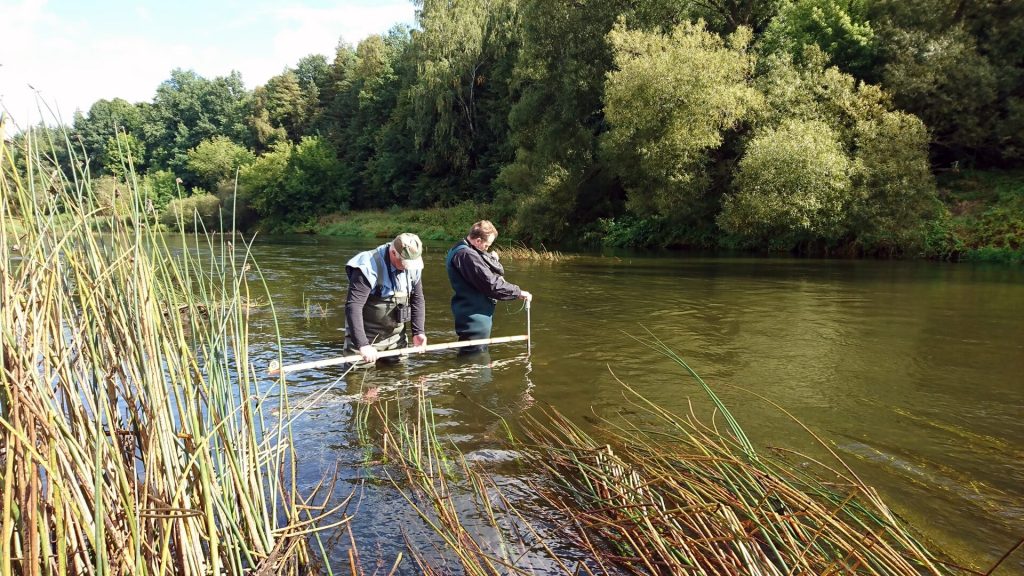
<point>671,102</point>
<point>462,54</point>
<point>830,164</point>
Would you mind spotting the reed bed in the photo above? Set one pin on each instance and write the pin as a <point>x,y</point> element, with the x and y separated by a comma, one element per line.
<point>647,493</point>
<point>664,494</point>
<point>521,252</point>
<point>479,527</point>
<point>131,435</point>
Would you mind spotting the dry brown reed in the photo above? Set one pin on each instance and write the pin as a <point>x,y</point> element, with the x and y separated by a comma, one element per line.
<point>650,492</point>
<point>665,494</point>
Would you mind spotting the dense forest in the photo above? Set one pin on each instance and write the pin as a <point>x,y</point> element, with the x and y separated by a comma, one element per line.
<point>812,126</point>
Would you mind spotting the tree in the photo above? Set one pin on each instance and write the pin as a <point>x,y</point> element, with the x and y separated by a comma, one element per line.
<point>124,153</point>
<point>956,65</point>
<point>97,129</point>
<point>556,117</point>
<point>461,46</point>
<point>216,160</point>
<point>838,27</point>
<point>792,187</point>
<point>669,103</point>
<point>294,182</point>
<point>188,109</point>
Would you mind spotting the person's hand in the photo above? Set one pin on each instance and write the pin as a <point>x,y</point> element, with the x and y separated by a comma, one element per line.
<point>369,353</point>
<point>419,340</point>
<point>524,295</point>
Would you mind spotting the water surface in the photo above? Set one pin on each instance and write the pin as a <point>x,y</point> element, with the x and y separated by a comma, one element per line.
<point>911,370</point>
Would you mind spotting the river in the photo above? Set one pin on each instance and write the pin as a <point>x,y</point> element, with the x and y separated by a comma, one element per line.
<point>912,371</point>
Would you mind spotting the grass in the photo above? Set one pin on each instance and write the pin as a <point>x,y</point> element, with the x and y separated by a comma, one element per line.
<point>448,224</point>
<point>525,253</point>
<point>131,434</point>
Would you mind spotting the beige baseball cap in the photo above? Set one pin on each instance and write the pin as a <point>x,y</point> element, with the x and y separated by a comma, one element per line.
<point>410,250</point>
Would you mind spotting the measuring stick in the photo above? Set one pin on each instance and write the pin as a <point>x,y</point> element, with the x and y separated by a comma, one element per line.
<point>276,368</point>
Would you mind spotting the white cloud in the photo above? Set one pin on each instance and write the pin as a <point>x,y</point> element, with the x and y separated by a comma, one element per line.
<point>72,63</point>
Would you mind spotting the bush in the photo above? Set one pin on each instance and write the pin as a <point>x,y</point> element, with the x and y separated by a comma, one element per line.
<point>201,211</point>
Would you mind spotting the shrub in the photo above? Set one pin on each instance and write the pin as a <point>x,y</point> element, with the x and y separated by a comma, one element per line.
<point>201,211</point>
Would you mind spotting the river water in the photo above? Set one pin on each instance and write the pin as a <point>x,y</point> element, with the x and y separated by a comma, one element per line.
<point>912,371</point>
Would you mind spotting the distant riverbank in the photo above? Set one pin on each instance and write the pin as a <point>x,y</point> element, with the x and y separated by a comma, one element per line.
<point>983,221</point>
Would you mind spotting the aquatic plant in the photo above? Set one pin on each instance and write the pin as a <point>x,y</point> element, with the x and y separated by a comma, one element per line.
<point>133,438</point>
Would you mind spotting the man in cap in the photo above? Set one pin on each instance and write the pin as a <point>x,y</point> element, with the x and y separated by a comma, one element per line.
<point>384,295</point>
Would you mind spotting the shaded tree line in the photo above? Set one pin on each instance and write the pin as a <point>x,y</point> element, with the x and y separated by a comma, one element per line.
<point>806,125</point>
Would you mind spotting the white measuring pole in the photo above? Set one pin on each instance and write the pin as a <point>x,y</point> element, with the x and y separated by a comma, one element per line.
<point>529,341</point>
<point>276,368</point>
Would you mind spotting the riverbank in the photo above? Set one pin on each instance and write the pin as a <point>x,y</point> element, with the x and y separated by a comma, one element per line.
<point>986,214</point>
<point>983,220</point>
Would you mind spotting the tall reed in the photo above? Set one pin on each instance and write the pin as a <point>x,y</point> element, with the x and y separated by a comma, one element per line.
<point>131,435</point>
<point>668,494</point>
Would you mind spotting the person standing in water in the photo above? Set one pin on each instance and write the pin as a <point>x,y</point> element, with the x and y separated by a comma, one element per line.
<point>385,294</point>
<point>477,277</point>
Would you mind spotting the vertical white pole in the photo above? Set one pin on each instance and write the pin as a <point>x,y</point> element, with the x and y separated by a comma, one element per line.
<point>529,340</point>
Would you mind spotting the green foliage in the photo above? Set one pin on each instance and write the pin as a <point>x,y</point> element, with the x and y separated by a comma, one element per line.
<point>458,101</point>
<point>124,154</point>
<point>792,187</point>
<point>838,27</point>
<point>217,160</point>
<point>988,214</point>
<point>956,65</point>
<point>110,196</point>
<point>895,192</point>
<point>97,133</point>
<point>447,224</point>
<point>189,109</point>
<point>159,187</point>
<point>947,83</point>
<point>199,212</point>
<point>728,16</point>
<point>294,182</point>
<point>669,104</point>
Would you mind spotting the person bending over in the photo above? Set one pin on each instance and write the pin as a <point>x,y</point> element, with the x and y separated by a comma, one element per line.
<point>385,294</point>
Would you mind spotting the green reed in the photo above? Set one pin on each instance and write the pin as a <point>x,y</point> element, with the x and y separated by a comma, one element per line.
<point>131,434</point>
<point>520,252</point>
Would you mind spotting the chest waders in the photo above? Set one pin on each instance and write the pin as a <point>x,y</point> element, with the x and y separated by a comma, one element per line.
<point>383,319</point>
<point>472,309</point>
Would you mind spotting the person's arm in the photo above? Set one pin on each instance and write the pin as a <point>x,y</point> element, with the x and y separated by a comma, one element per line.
<point>419,315</point>
<point>480,276</point>
<point>359,290</point>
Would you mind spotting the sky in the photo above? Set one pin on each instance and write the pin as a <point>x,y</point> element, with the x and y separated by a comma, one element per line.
<point>66,54</point>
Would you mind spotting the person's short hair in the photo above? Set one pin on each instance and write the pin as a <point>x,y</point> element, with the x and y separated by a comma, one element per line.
<point>483,230</point>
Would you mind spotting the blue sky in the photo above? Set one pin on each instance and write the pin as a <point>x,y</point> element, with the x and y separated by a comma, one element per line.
<point>74,52</point>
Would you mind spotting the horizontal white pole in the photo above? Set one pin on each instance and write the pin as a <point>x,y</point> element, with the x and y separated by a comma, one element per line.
<point>275,368</point>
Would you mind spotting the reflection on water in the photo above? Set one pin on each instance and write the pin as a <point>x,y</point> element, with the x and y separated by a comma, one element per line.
<point>911,370</point>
